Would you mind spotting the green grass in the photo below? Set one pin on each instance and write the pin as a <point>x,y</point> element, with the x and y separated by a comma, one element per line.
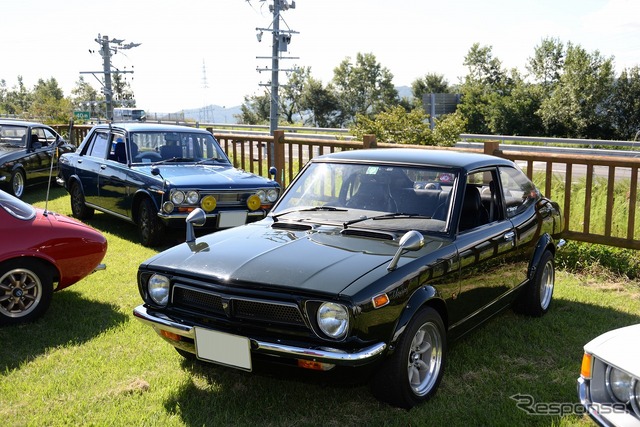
<point>89,362</point>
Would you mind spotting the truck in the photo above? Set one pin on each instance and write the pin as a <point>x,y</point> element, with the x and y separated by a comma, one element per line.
<point>129,115</point>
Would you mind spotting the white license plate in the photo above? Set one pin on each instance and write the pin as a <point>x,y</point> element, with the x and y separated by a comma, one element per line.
<point>227,219</point>
<point>223,348</point>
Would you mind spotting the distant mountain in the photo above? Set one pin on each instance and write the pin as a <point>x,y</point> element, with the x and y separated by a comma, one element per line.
<point>218,114</point>
<point>213,114</point>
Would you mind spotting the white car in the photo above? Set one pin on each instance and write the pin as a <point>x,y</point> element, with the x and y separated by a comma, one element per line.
<point>609,383</point>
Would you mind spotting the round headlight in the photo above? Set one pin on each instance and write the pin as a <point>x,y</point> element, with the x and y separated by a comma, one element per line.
<point>272,195</point>
<point>168,207</point>
<point>158,288</point>
<point>262,195</point>
<point>208,203</point>
<point>635,399</point>
<point>177,197</point>
<point>619,384</point>
<point>253,202</point>
<point>333,319</point>
<point>192,197</point>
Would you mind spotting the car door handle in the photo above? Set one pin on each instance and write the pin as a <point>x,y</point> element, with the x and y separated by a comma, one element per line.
<point>509,236</point>
<point>103,167</point>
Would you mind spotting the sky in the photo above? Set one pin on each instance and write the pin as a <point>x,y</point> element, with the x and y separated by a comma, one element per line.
<point>195,53</point>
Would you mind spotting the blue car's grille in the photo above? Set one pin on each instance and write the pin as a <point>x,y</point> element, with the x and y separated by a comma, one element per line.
<point>234,307</point>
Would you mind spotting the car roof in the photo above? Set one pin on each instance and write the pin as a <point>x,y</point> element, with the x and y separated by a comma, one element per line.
<point>149,127</point>
<point>20,123</point>
<point>419,157</point>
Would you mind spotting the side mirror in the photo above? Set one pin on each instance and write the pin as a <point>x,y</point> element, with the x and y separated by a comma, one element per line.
<point>411,241</point>
<point>273,172</point>
<point>197,218</point>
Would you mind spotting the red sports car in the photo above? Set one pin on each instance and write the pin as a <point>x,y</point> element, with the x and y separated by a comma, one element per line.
<point>41,252</point>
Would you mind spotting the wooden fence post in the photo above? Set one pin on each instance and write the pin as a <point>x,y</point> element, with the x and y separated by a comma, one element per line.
<point>492,148</point>
<point>369,141</point>
<point>278,153</point>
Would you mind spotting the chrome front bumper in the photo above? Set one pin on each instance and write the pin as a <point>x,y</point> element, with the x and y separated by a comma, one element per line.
<point>159,321</point>
<point>603,414</point>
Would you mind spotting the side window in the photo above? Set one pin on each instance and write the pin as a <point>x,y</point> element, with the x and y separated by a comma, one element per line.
<point>519,192</point>
<point>99,145</point>
<point>49,137</point>
<point>480,203</point>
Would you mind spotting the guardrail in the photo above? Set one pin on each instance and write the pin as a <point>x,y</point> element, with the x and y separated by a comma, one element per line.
<point>584,178</point>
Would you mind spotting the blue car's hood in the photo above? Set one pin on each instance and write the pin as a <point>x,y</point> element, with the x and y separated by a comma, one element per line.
<point>323,261</point>
<point>224,176</point>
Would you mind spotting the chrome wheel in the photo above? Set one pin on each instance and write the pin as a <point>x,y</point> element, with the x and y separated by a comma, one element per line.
<point>547,281</point>
<point>425,359</point>
<point>17,183</point>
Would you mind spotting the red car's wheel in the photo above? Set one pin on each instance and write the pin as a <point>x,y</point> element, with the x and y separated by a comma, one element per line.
<point>26,288</point>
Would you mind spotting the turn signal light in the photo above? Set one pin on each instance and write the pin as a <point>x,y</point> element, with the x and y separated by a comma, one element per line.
<point>585,370</point>
<point>315,366</point>
<point>380,300</point>
<point>170,335</point>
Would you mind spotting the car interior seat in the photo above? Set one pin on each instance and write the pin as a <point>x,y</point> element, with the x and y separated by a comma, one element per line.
<point>373,194</point>
<point>473,213</point>
<point>170,151</point>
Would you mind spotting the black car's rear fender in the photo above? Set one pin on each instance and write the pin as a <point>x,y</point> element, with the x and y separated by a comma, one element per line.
<point>545,242</point>
<point>423,296</point>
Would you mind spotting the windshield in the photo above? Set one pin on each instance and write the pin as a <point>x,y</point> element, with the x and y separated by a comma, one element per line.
<point>374,196</point>
<point>16,207</point>
<point>169,146</point>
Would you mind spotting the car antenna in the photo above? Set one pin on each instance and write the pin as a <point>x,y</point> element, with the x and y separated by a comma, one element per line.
<point>54,154</point>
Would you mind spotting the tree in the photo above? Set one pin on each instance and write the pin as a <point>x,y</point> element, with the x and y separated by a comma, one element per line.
<point>577,105</point>
<point>547,63</point>
<point>49,103</point>
<point>364,88</point>
<point>321,104</point>
<point>255,109</point>
<point>122,92</point>
<point>624,105</point>
<point>18,100</point>
<point>292,92</point>
<point>396,125</point>
<point>84,96</point>
<point>485,82</point>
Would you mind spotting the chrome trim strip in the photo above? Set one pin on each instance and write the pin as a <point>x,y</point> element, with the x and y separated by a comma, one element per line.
<point>334,356</point>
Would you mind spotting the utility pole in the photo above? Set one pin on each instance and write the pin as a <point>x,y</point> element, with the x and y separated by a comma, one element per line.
<point>280,42</point>
<point>106,48</point>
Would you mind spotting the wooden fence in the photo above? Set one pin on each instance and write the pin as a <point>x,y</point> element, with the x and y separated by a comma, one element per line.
<point>575,181</point>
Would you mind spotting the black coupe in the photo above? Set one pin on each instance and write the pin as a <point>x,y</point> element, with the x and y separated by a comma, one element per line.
<point>371,257</point>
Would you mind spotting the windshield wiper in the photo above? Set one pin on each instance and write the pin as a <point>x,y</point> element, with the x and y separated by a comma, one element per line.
<point>397,215</point>
<point>174,159</point>
<point>312,209</point>
<point>215,159</point>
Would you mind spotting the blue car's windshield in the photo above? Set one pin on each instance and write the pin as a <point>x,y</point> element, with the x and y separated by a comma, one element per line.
<point>172,146</point>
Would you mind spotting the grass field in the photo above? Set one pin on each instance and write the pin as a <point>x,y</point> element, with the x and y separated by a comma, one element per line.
<point>89,362</point>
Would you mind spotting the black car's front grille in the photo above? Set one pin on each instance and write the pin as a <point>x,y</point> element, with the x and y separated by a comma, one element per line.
<point>234,307</point>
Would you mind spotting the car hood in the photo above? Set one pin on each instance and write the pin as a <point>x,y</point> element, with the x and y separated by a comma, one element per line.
<point>323,260</point>
<point>190,175</point>
<point>619,347</point>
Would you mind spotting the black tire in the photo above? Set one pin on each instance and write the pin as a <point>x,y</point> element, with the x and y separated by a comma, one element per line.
<point>537,295</point>
<point>78,207</point>
<point>18,183</point>
<point>151,227</point>
<point>26,287</point>
<point>411,375</point>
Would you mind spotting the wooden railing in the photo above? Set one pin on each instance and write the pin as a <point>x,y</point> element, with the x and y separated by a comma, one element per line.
<point>578,182</point>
